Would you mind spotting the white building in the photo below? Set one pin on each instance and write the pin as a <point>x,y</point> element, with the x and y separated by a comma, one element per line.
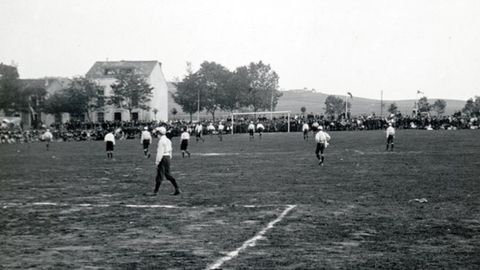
<point>104,73</point>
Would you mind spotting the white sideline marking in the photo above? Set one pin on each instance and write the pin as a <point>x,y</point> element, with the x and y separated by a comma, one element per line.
<point>169,206</point>
<point>250,242</point>
<point>359,152</point>
<point>216,154</point>
<point>151,206</point>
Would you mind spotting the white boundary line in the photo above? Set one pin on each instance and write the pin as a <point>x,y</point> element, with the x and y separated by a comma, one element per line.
<point>5,205</point>
<point>250,242</point>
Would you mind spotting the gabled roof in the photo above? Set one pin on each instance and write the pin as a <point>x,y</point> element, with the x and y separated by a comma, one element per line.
<point>98,70</point>
<point>33,83</point>
<point>51,84</point>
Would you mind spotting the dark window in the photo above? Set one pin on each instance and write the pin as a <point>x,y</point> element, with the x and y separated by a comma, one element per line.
<point>135,116</point>
<point>126,71</point>
<point>58,118</point>
<point>100,117</point>
<point>117,116</point>
<point>109,71</point>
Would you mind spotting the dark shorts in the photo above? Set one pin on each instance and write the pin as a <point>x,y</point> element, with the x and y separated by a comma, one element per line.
<point>184,145</point>
<point>260,130</point>
<point>109,146</point>
<point>146,143</point>
<point>250,131</point>
<point>305,131</point>
<point>198,134</point>
<point>320,148</point>
<point>390,139</point>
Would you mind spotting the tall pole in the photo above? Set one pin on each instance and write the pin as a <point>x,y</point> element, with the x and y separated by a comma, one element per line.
<point>271,106</point>
<point>381,103</point>
<point>198,106</point>
<point>346,106</point>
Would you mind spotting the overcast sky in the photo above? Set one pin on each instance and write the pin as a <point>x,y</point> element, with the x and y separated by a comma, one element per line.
<point>333,46</point>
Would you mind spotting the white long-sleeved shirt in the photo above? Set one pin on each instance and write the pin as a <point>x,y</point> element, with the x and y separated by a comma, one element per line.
<point>47,135</point>
<point>110,138</point>
<point>185,136</point>
<point>305,127</point>
<point>322,137</point>
<point>198,128</point>
<point>221,127</point>
<point>146,136</point>
<point>390,131</point>
<point>251,127</point>
<point>260,125</point>
<point>164,149</point>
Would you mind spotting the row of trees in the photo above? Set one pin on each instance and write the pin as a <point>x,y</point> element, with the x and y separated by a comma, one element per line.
<point>424,106</point>
<point>213,87</point>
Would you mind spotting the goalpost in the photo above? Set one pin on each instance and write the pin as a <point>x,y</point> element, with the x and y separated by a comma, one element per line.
<point>255,114</point>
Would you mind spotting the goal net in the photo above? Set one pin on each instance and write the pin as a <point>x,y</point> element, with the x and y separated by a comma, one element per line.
<point>278,121</point>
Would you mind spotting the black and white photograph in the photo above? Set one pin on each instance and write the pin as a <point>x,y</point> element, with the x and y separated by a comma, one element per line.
<point>240,134</point>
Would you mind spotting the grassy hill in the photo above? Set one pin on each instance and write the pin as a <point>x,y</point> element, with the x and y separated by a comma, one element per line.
<point>293,100</point>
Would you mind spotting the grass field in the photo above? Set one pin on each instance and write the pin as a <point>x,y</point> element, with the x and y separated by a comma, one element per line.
<point>70,208</point>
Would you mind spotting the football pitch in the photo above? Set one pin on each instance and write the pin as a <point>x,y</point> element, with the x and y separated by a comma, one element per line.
<point>262,204</point>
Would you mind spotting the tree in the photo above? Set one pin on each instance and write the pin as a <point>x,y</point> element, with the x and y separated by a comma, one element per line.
<point>439,106</point>
<point>188,93</point>
<point>423,105</point>
<point>31,98</point>
<point>9,88</point>
<point>393,108</point>
<point>263,93</point>
<point>213,81</point>
<point>57,103</point>
<point>131,91</point>
<point>334,106</point>
<point>472,107</point>
<point>237,86</point>
<point>82,96</point>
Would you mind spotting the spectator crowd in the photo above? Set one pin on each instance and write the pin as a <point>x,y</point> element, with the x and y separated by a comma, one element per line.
<point>81,131</point>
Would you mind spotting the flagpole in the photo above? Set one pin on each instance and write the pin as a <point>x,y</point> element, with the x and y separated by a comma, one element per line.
<point>346,108</point>
<point>381,103</point>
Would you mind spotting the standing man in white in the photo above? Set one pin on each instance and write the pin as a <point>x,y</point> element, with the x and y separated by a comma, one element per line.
<point>164,154</point>
<point>322,139</point>
<point>390,136</point>
<point>146,140</point>
<point>47,137</point>
<point>110,143</point>
<point>305,129</point>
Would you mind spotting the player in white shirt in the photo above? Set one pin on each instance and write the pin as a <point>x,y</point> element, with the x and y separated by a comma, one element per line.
<point>47,137</point>
<point>322,139</point>
<point>110,143</point>
<point>251,130</point>
<point>305,129</point>
<point>390,133</point>
<point>184,137</point>
<point>221,127</point>
<point>198,132</point>
<point>146,140</point>
<point>260,129</point>
<point>164,154</point>
<point>210,129</point>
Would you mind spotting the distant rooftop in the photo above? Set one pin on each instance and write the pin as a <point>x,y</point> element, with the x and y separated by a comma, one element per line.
<point>108,69</point>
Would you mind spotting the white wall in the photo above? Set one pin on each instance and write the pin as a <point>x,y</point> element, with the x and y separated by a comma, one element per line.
<point>160,95</point>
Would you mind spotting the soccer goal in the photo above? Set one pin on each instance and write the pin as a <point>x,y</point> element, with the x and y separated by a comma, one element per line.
<point>273,119</point>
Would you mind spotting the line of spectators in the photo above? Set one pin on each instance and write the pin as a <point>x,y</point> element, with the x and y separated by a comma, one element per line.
<point>81,131</point>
